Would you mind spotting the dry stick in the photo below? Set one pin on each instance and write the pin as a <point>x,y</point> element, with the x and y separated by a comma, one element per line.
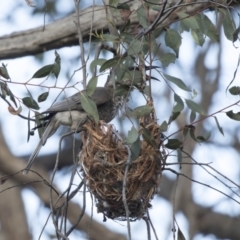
<point>83,209</point>
<point>80,39</point>
<point>174,209</point>
<point>148,228</point>
<point>52,178</point>
<point>216,176</point>
<point>201,119</point>
<point>74,170</point>
<point>206,185</point>
<point>152,226</point>
<point>68,193</point>
<point>125,184</point>
<point>155,22</point>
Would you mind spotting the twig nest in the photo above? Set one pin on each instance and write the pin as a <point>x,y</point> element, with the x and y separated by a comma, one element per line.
<point>104,159</point>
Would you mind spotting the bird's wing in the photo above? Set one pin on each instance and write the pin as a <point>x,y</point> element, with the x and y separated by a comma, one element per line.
<point>100,95</point>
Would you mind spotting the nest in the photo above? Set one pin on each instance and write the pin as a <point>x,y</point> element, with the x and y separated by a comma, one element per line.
<point>104,159</point>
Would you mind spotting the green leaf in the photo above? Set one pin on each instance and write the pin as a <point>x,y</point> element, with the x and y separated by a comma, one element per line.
<point>4,71</point>
<point>141,111</point>
<point>132,78</point>
<point>111,63</point>
<point>234,90</point>
<point>180,105</point>
<point>210,29</point>
<point>235,34</point>
<point>173,144</point>
<point>135,149</point>
<point>142,18</point>
<point>177,82</point>
<point>219,127</point>
<point>30,102</point>
<point>43,97</point>
<point>173,117</point>
<point>135,47</point>
<point>44,71</point>
<point>110,37</point>
<point>57,65</point>
<point>167,58</point>
<point>89,106</point>
<point>198,37</point>
<point>173,40</point>
<point>91,86</point>
<point>4,89</point>
<point>148,137</point>
<point>190,22</point>
<point>147,91</point>
<point>234,116</point>
<point>97,62</point>
<point>12,97</point>
<point>192,116</point>
<point>132,135</point>
<point>228,24</point>
<point>164,126</point>
<point>195,107</point>
<point>204,138</point>
<point>180,235</point>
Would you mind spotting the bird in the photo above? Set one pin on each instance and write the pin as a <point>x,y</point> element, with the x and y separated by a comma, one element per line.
<point>69,112</point>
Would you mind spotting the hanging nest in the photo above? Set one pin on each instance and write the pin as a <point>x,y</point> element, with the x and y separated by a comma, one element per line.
<point>104,159</point>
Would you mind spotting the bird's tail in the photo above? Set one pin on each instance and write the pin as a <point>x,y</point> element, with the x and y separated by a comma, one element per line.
<point>46,134</point>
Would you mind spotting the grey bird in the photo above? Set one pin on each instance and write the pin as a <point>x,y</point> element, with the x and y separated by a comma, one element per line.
<point>70,112</point>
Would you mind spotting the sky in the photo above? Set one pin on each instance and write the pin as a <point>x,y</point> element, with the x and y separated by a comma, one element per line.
<point>161,212</point>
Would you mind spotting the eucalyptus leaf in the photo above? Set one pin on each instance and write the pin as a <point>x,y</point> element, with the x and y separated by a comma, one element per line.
<point>111,63</point>
<point>135,149</point>
<point>188,21</point>
<point>167,59</point>
<point>219,127</point>
<point>173,40</point>
<point>44,71</point>
<point>234,116</point>
<point>210,29</point>
<point>30,103</point>
<point>173,144</point>
<point>234,90</point>
<point>164,126</point>
<point>177,82</point>
<point>228,24</point>
<point>132,135</point>
<point>91,86</point>
<point>135,47</point>
<point>4,71</point>
<point>198,37</point>
<point>192,116</point>
<point>180,235</point>
<point>148,137</point>
<point>89,106</point>
<point>180,105</point>
<point>195,107</point>
<point>12,97</point>
<point>43,97</point>
<point>173,117</point>
<point>141,15</point>
<point>97,62</point>
<point>141,111</point>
